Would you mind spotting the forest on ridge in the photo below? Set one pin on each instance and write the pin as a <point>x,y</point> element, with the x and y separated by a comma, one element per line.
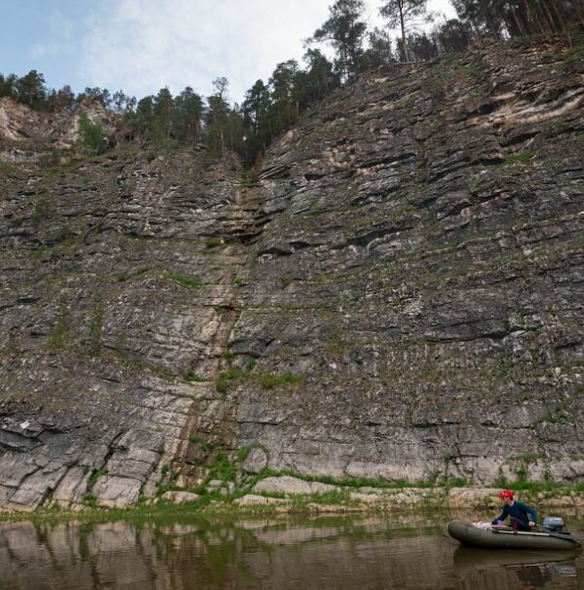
<point>271,107</point>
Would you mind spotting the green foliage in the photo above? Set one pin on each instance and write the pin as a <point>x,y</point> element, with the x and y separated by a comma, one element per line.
<point>353,482</point>
<point>269,381</point>
<point>125,277</point>
<point>524,156</point>
<point>30,89</point>
<point>224,127</point>
<point>574,56</point>
<point>184,281</point>
<point>93,478</point>
<point>557,415</point>
<point>186,116</point>
<point>265,380</point>
<point>93,137</point>
<point>60,335</point>
<point>231,374</point>
<point>521,473</point>
<point>192,377</point>
<point>345,30</point>
<point>90,499</point>
<point>243,453</point>
<point>43,207</point>
<point>456,482</point>
<point>400,13</point>
<point>214,242</point>
<point>250,178</point>
<point>8,85</point>
<point>162,112</point>
<point>222,468</point>
<point>470,70</point>
<point>162,483</point>
<point>270,109</point>
<point>96,328</point>
<point>204,444</point>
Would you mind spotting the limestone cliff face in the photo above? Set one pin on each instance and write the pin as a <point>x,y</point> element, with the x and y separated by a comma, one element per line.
<point>400,297</point>
<point>422,270</point>
<point>117,299</point>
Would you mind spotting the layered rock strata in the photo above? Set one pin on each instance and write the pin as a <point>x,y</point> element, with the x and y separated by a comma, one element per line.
<point>400,296</point>
<point>421,271</point>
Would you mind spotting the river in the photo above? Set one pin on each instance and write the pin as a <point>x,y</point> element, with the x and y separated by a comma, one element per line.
<point>286,553</point>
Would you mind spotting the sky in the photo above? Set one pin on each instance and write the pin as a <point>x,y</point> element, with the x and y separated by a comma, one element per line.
<point>141,46</point>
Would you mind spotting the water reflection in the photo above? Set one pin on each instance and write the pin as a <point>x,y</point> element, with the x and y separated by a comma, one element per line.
<point>502,569</point>
<point>535,576</point>
<point>196,554</point>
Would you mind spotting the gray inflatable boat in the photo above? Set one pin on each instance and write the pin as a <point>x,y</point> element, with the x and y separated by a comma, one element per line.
<point>500,537</point>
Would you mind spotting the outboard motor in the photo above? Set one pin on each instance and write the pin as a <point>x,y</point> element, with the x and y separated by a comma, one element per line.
<point>553,524</point>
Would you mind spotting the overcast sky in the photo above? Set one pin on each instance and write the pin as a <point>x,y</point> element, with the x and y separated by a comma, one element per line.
<point>140,46</point>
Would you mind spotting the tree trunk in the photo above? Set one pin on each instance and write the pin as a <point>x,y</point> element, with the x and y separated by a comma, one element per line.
<point>518,22</point>
<point>580,10</point>
<point>403,32</point>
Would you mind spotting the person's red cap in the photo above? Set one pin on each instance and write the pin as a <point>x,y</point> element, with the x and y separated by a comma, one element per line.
<point>506,494</point>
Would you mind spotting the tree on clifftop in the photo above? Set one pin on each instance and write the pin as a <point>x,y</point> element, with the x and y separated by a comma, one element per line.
<point>163,107</point>
<point>500,19</point>
<point>30,89</point>
<point>187,116</point>
<point>401,12</point>
<point>283,83</point>
<point>218,121</point>
<point>346,32</point>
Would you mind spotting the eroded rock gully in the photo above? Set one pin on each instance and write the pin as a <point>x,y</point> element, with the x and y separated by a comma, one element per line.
<point>400,297</point>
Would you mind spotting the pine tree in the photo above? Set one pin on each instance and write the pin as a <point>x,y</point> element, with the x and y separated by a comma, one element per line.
<point>187,116</point>
<point>256,120</point>
<point>8,85</point>
<point>284,104</point>
<point>30,89</point>
<point>142,121</point>
<point>346,32</point>
<point>217,118</point>
<point>380,52</point>
<point>400,13</point>
<point>162,108</point>
<point>320,77</point>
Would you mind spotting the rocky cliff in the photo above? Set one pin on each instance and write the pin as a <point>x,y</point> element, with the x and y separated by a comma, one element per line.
<point>399,297</point>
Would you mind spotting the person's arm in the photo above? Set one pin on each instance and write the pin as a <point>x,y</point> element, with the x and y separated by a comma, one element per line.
<point>533,515</point>
<point>531,512</point>
<point>500,517</point>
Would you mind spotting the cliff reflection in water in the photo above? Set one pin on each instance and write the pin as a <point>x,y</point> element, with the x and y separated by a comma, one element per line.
<point>316,554</point>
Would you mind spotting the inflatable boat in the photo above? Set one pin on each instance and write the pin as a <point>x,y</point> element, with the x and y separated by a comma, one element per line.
<point>503,537</point>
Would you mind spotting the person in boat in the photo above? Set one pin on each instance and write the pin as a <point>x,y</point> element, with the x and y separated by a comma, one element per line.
<point>522,516</point>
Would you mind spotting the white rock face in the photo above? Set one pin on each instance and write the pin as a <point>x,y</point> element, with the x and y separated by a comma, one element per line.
<point>255,500</point>
<point>178,497</point>
<point>292,485</point>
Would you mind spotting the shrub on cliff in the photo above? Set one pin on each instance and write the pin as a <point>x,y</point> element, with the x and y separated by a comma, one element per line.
<point>93,137</point>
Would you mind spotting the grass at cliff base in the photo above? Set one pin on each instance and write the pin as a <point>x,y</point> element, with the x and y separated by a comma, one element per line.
<point>428,502</point>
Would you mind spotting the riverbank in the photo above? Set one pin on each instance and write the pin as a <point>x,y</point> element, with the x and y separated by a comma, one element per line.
<point>286,494</point>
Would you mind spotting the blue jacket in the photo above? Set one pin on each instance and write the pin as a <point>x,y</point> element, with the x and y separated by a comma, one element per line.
<point>518,510</point>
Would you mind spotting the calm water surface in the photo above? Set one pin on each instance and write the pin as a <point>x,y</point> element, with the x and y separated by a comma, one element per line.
<point>323,553</point>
